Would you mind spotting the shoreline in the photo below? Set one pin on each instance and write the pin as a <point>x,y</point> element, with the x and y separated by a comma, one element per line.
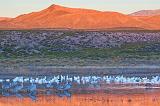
<point>99,67</point>
<point>80,70</point>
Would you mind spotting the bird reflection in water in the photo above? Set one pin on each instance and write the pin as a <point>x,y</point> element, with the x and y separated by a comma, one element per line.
<point>22,90</point>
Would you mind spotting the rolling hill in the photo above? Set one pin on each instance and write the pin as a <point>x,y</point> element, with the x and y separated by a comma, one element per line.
<point>4,18</point>
<point>146,13</point>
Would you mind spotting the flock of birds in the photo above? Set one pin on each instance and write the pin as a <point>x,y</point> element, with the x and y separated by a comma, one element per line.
<point>30,84</point>
<point>56,81</point>
<point>64,83</point>
<point>16,86</point>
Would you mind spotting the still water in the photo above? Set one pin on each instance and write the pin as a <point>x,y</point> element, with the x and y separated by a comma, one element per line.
<point>98,98</point>
<point>84,90</point>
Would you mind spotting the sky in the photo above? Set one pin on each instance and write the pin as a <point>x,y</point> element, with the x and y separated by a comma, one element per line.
<point>13,8</point>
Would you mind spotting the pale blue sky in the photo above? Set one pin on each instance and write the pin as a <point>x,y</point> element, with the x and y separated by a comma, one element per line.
<point>13,8</point>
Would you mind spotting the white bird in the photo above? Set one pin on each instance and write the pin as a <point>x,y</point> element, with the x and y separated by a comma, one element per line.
<point>1,80</point>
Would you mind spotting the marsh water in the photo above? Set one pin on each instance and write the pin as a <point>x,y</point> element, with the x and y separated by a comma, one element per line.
<point>85,89</point>
<point>101,98</point>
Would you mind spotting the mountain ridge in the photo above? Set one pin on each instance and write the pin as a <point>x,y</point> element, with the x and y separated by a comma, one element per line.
<point>56,16</point>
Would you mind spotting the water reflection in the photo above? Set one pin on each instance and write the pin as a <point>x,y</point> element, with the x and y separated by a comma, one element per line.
<point>33,95</point>
<point>100,98</point>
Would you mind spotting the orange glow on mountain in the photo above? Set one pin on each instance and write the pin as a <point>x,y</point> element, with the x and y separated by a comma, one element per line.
<point>57,16</point>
